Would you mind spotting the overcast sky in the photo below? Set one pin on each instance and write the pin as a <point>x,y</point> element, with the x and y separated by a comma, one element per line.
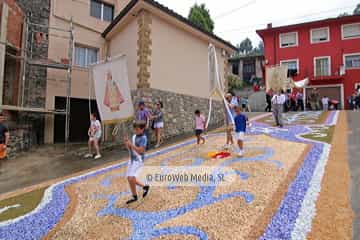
<point>237,19</point>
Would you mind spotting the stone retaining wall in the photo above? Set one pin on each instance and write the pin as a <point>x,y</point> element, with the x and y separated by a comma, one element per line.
<point>178,112</point>
<point>21,139</point>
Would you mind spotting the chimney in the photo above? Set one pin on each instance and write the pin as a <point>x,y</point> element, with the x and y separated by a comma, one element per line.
<point>269,25</point>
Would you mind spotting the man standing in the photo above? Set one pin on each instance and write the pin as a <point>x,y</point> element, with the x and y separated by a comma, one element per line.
<point>300,101</point>
<point>278,101</point>
<point>325,103</point>
<point>4,137</point>
<point>144,115</point>
<point>268,101</point>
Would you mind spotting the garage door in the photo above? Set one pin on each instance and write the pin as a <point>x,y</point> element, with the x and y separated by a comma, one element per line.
<point>332,92</point>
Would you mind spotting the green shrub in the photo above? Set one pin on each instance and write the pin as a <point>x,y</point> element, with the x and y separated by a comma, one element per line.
<point>235,83</point>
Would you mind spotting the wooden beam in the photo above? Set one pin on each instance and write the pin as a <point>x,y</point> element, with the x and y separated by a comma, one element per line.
<point>28,109</point>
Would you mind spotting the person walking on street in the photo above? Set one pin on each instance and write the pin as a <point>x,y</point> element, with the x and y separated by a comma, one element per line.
<point>300,101</point>
<point>144,115</point>
<point>94,133</point>
<point>325,103</point>
<point>229,116</point>
<point>268,101</point>
<point>278,101</point>
<point>158,119</point>
<point>4,137</point>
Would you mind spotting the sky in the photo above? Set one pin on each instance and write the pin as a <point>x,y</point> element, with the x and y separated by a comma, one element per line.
<point>237,19</point>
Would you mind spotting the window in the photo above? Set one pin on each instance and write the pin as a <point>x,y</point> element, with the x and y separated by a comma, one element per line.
<point>352,61</point>
<point>293,65</point>
<point>101,10</point>
<point>288,39</point>
<point>85,56</point>
<point>320,35</point>
<point>322,66</point>
<point>350,31</point>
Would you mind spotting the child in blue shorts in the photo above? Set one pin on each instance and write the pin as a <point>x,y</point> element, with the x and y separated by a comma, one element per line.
<point>240,129</point>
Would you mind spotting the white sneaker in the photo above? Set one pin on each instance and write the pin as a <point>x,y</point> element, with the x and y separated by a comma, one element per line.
<point>157,145</point>
<point>240,154</point>
<point>226,146</point>
<point>89,155</point>
<point>97,156</point>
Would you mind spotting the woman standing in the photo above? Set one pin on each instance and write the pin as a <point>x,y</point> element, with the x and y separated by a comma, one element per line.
<point>158,119</point>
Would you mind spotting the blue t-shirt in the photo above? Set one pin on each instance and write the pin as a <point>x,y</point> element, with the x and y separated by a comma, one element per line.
<point>140,141</point>
<point>240,123</point>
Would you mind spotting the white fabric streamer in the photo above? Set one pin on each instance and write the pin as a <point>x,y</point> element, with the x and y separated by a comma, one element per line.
<point>216,86</point>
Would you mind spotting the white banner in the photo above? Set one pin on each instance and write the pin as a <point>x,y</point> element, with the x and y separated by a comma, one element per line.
<point>112,90</point>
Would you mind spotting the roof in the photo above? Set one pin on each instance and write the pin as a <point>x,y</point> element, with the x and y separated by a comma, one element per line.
<point>237,58</point>
<point>317,22</point>
<point>168,11</point>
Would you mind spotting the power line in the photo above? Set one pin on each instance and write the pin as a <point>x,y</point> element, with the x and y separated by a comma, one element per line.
<point>284,19</point>
<point>235,10</point>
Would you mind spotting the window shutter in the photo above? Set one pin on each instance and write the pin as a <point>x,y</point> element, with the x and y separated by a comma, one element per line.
<point>350,31</point>
<point>288,39</point>
<point>319,35</point>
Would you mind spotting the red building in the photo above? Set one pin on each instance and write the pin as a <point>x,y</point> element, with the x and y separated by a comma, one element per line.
<point>326,51</point>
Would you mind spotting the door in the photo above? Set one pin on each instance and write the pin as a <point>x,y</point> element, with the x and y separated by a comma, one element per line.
<point>248,70</point>
<point>79,119</point>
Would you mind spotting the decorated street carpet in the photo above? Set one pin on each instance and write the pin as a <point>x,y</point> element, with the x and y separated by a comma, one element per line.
<point>274,195</point>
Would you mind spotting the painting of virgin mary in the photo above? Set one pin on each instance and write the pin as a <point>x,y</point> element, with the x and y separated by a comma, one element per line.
<point>113,97</point>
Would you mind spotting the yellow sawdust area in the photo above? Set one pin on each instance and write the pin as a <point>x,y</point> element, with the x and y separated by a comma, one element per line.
<point>334,214</point>
<point>223,220</point>
<point>234,217</point>
<point>84,222</point>
<point>176,237</point>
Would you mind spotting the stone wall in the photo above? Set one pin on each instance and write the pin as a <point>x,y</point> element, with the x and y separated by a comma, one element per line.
<point>38,11</point>
<point>178,112</point>
<point>20,140</point>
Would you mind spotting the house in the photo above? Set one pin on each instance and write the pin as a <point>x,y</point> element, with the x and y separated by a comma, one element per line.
<point>325,51</point>
<point>248,67</point>
<point>167,58</point>
<point>12,20</point>
<point>90,18</point>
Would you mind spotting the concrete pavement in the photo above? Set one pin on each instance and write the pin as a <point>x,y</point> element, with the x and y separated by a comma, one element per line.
<point>354,162</point>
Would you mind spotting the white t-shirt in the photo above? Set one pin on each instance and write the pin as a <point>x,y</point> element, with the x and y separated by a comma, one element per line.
<point>325,100</point>
<point>95,126</point>
<point>278,99</point>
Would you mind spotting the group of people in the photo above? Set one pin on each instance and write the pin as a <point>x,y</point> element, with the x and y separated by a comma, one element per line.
<point>354,99</point>
<point>293,101</point>
<point>152,119</point>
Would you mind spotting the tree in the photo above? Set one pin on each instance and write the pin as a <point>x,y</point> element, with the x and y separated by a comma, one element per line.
<point>245,47</point>
<point>357,10</point>
<point>200,16</point>
<point>343,14</point>
<point>259,49</point>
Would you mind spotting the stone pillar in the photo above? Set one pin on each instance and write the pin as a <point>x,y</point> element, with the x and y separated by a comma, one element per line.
<point>144,49</point>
